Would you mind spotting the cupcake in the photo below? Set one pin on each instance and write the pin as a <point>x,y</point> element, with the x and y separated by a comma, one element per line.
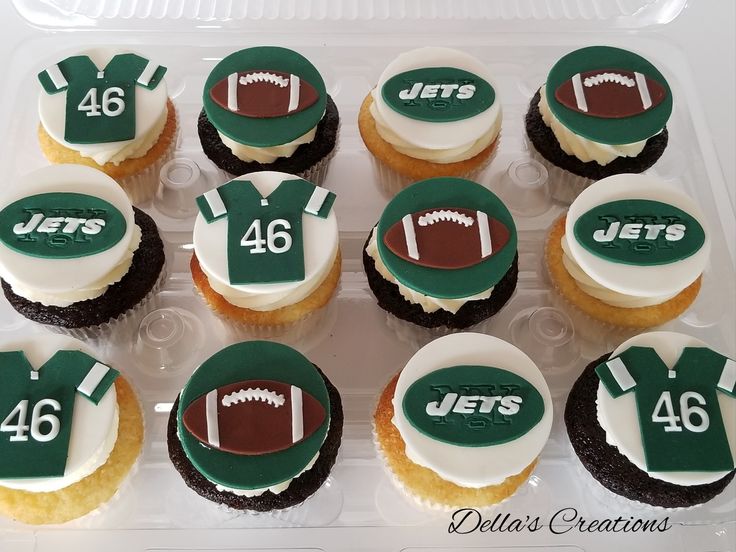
<point>463,424</point>
<point>71,430</point>
<point>266,249</point>
<point>434,112</point>
<point>443,254</point>
<point>225,436</point>
<point>655,420</point>
<point>74,253</point>
<point>267,109</point>
<point>602,111</point>
<point>630,252</point>
<point>109,110</point>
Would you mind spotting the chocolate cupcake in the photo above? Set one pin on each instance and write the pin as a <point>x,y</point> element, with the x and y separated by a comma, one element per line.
<point>444,253</point>
<point>267,109</point>
<point>257,427</point>
<point>602,111</point>
<point>655,420</point>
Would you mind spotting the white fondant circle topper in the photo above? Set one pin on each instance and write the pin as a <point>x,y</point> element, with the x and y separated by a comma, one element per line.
<point>476,466</point>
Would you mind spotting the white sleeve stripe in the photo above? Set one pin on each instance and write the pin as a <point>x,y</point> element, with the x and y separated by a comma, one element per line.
<point>145,77</point>
<point>621,374</point>
<point>56,77</point>
<point>297,415</point>
<point>486,247</point>
<point>411,237</point>
<point>294,93</point>
<point>92,379</point>
<point>577,87</point>
<point>213,429</point>
<point>232,91</point>
<point>728,376</point>
<point>641,84</point>
<point>215,202</point>
<point>316,200</point>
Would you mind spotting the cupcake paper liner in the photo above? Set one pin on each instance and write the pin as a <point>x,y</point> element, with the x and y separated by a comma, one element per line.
<point>564,186</point>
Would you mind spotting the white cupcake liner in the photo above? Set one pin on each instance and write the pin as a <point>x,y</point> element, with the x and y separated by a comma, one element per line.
<point>564,186</point>
<point>142,186</point>
<point>392,182</point>
<point>121,323</point>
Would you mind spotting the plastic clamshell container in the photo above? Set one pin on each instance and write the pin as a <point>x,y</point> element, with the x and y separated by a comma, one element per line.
<point>350,42</point>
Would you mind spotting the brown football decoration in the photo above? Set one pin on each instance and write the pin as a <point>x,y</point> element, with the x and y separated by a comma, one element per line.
<point>253,417</point>
<point>446,237</point>
<point>263,94</point>
<point>610,93</point>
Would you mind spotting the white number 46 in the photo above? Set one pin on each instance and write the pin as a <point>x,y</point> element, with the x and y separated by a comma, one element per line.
<point>254,237</point>
<point>687,411</point>
<point>20,428</point>
<point>112,102</point>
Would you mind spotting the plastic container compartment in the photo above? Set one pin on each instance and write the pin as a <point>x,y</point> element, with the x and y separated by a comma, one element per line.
<point>351,42</point>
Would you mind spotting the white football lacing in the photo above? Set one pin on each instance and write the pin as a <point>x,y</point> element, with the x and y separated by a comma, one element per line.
<point>257,394</point>
<point>600,78</point>
<point>261,76</point>
<point>444,215</point>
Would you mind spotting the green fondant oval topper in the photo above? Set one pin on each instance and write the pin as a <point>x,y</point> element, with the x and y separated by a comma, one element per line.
<point>473,406</point>
<point>61,225</point>
<point>438,94</point>
<point>639,232</point>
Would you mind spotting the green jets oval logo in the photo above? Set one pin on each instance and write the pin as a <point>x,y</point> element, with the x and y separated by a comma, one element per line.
<point>61,225</point>
<point>438,94</point>
<point>473,406</point>
<point>639,232</point>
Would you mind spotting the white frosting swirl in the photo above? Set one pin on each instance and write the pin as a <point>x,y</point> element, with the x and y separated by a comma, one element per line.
<point>248,153</point>
<point>594,289</point>
<point>89,291</point>
<point>582,148</point>
<point>275,489</point>
<point>428,303</point>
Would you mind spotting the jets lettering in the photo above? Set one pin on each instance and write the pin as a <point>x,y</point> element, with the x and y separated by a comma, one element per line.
<point>432,91</point>
<point>635,231</point>
<point>66,225</point>
<point>469,404</point>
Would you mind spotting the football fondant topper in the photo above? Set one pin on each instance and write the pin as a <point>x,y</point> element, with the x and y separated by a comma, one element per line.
<point>610,93</point>
<point>448,238</point>
<point>264,93</point>
<point>254,417</point>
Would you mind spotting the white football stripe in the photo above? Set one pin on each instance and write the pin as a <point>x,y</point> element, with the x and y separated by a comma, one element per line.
<point>410,237</point>
<point>57,77</point>
<point>294,93</point>
<point>232,91</point>
<point>484,229</point>
<point>213,428</point>
<point>641,84</point>
<point>316,200</point>
<point>621,374</point>
<point>728,376</point>
<point>577,87</point>
<point>297,415</point>
<point>215,202</point>
<point>93,379</point>
<point>147,73</point>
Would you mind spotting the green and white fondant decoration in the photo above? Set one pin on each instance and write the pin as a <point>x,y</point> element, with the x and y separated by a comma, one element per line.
<point>472,408</point>
<point>261,364</point>
<point>668,403</point>
<point>58,413</point>
<point>105,104</point>
<point>438,94</point>
<point>67,232</point>
<point>632,97</point>
<point>635,236</point>
<point>266,239</point>
<point>437,104</point>
<point>264,97</point>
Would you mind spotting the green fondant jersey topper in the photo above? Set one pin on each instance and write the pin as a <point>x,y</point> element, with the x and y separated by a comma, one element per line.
<point>438,94</point>
<point>61,225</point>
<point>616,80</point>
<point>473,406</point>
<point>639,232</point>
